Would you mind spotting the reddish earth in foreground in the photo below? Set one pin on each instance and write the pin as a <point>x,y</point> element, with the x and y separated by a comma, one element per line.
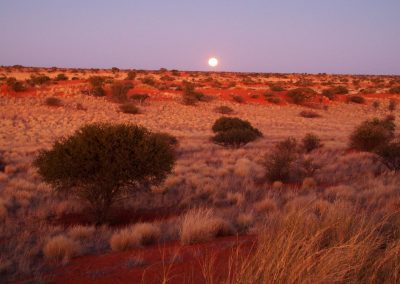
<point>163,263</point>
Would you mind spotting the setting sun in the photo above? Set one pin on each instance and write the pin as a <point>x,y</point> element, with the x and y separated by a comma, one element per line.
<point>213,62</point>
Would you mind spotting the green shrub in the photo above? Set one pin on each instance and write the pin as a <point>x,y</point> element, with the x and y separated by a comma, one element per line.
<point>390,155</point>
<point>332,92</point>
<point>190,95</point>
<point>235,132</point>
<point>392,105</point>
<point>311,142</point>
<point>372,134</point>
<point>38,80</point>
<point>309,114</point>
<point>394,90</point>
<point>238,98</point>
<point>129,108</point>
<point>276,88</point>
<point>300,95</point>
<point>356,99</point>
<point>52,101</point>
<point>119,91</point>
<point>15,85</point>
<point>96,81</point>
<point>131,75</point>
<point>101,163</point>
<point>274,100</point>
<point>61,77</point>
<point>278,163</point>
<point>224,110</point>
<point>149,80</point>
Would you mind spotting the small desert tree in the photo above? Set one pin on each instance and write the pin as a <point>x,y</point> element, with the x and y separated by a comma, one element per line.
<point>102,163</point>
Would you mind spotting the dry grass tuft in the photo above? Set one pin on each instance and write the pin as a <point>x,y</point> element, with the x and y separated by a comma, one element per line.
<point>81,232</point>
<point>60,248</point>
<point>201,225</point>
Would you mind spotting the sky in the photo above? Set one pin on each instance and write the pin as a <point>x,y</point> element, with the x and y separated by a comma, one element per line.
<point>299,36</point>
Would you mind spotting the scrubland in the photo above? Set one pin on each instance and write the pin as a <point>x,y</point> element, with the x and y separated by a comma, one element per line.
<point>337,221</point>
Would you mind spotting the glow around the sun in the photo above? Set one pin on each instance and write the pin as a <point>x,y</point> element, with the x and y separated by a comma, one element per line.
<point>213,62</point>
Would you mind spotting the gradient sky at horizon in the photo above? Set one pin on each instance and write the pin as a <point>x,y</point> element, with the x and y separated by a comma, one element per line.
<point>312,36</point>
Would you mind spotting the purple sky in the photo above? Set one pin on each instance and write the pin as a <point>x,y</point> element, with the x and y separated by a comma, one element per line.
<point>333,36</point>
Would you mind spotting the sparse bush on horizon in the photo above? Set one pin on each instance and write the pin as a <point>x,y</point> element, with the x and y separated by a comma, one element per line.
<point>15,85</point>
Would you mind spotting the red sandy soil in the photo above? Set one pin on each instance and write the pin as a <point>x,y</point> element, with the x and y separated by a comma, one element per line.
<point>179,263</point>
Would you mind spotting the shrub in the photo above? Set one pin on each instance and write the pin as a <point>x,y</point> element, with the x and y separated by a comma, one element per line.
<point>147,233</point>
<point>138,234</point>
<point>300,95</point>
<point>149,81</point>
<point>372,134</point>
<point>38,80</point>
<point>131,75</point>
<point>96,81</point>
<point>309,114</point>
<point>228,123</point>
<point>376,104</point>
<point>311,142</point>
<point>238,98</point>
<point>201,225</point>
<point>224,110</point>
<point>356,99</point>
<point>129,108</point>
<point>61,77</point>
<point>119,91</point>
<point>53,101</point>
<point>15,85</point>
<point>394,90</point>
<point>392,105</point>
<point>278,163</point>
<point>81,232</point>
<point>102,162</point>
<point>332,92</point>
<point>390,155</point>
<point>274,100</point>
<point>140,97</point>
<point>276,88</point>
<point>60,248</point>
<point>123,240</point>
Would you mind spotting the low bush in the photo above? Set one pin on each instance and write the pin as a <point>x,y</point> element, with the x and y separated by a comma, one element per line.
<point>149,80</point>
<point>61,77</point>
<point>276,88</point>
<point>372,134</point>
<point>309,114</point>
<point>274,100</point>
<point>279,161</point>
<point>300,95</point>
<point>119,91</point>
<point>53,101</point>
<point>131,75</point>
<point>102,163</point>
<point>129,108</point>
<point>394,90</point>
<point>392,105</point>
<point>311,142</point>
<point>356,99</point>
<point>390,155</point>
<point>234,132</point>
<point>332,92</point>
<point>237,98</point>
<point>38,80</point>
<point>137,235</point>
<point>15,85</point>
<point>223,110</point>
<point>97,83</point>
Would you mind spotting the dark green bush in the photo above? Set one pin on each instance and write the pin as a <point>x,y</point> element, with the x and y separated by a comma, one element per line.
<point>119,91</point>
<point>300,95</point>
<point>52,101</point>
<point>276,88</point>
<point>190,95</point>
<point>15,85</point>
<point>235,132</point>
<point>332,92</point>
<point>96,81</point>
<point>372,134</point>
<point>101,163</point>
<point>224,110</point>
<point>311,142</point>
<point>38,80</point>
<point>390,155</point>
<point>149,80</point>
<point>238,98</point>
<point>394,90</point>
<point>356,99</point>
<point>131,75</point>
<point>274,100</point>
<point>129,108</point>
<point>309,114</point>
<point>278,163</point>
<point>61,77</point>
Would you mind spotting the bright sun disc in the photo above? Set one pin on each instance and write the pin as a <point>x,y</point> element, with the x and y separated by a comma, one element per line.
<point>213,62</point>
